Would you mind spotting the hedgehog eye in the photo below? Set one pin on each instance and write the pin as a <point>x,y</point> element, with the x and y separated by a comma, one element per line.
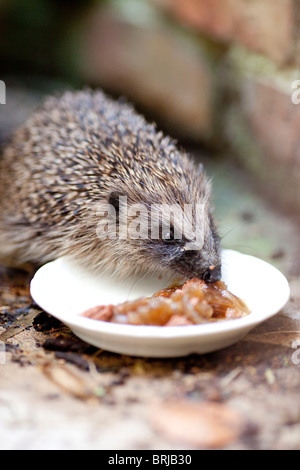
<point>168,236</point>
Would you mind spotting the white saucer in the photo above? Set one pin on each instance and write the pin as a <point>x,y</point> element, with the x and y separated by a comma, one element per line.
<point>65,290</point>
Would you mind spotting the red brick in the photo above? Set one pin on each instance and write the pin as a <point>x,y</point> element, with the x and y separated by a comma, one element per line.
<point>274,119</point>
<point>263,26</point>
<point>154,67</point>
<point>213,16</point>
<point>262,129</point>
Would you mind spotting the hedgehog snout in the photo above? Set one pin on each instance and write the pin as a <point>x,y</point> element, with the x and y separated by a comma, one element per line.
<point>212,274</point>
<point>209,274</point>
<point>197,264</point>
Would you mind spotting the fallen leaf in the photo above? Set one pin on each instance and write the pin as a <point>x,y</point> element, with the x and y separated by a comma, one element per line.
<point>23,322</point>
<point>204,425</point>
<point>67,381</point>
<point>279,338</point>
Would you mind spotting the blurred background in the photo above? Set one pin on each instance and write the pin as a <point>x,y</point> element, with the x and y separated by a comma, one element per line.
<point>217,75</point>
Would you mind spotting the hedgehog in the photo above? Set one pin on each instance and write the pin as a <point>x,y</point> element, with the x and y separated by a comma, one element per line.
<point>82,152</point>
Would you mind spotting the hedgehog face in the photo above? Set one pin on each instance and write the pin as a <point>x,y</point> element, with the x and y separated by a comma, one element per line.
<point>179,256</point>
<point>165,239</point>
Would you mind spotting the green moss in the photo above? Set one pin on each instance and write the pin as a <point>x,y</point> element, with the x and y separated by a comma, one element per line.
<point>248,63</point>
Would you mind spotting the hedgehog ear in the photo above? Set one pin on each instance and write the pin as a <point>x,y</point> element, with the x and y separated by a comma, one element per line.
<point>117,200</point>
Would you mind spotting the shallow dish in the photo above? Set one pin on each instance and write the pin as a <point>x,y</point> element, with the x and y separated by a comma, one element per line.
<point>65,290</point>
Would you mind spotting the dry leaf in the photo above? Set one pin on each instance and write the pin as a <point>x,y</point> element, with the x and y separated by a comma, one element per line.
<point>204,425</point>
<point>67,381</point>
<point>279,338</point>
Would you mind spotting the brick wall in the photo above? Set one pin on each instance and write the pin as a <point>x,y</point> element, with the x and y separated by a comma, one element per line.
<point>263,26</point>
<point>162,72</point>
<point>214,71</point>
<point>258,120</point>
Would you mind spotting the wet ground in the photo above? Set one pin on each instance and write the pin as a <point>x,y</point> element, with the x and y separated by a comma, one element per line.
<point>57,392</point>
